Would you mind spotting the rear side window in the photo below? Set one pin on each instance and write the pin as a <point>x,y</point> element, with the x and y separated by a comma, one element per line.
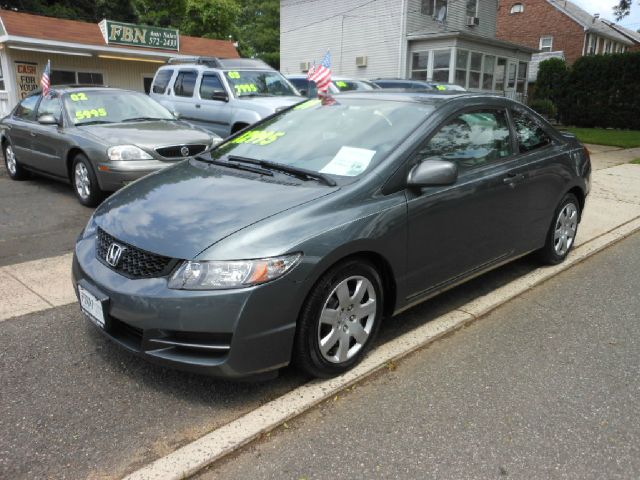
<point>185,84</point>
<point>210,84</point>
<point>530,135</point>
<point>471,140</point>
<point>26,110</point>
<point>161,82</point>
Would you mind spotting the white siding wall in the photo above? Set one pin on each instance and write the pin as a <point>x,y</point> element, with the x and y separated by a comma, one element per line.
<point>456,18</point>
<point>374,31</point>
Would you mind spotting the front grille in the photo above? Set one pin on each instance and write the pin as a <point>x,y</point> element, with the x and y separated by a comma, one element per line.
<point>134,262</point>
<point>175,151</point>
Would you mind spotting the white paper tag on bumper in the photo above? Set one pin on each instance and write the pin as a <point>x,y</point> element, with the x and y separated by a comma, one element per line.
<point>349,162</point>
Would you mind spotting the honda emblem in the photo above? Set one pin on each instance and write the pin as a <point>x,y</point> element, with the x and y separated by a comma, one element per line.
<point>113,254</point>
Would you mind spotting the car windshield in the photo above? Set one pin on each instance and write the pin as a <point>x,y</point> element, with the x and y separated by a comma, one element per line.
<point>349,85</point>
<point>337,136</point>
<point>112,106</point>
<point>252,83</point>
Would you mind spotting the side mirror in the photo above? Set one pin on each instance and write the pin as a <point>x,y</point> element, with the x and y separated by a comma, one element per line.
<point>220,96</point>
<point>176,114</point>
<point>432,173</point>
<point>48,119</point>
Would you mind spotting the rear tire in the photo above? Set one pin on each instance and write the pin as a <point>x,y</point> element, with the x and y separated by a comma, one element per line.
<point>562,232</point>
<point>85,183</point>
<point>238,126</point>
<point>14,169</point>
<point>339,320</point>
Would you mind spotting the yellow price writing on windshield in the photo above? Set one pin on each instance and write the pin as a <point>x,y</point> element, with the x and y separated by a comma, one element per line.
<point>258,137</point>
<point>78,97</point>
<point>246,88</point>
<point>441,88</point>
<point>233,74</point>
<point>341,84</point>
<point>94,112</point>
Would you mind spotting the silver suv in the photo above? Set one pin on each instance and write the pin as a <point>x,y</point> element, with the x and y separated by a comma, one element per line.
<point>223,95</point>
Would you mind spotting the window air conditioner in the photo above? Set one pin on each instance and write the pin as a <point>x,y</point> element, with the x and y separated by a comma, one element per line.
<point>473,21</point>
<point>361,61</point>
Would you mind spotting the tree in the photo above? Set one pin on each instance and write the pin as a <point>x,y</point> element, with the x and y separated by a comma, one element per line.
<point>552,79</point>
<point>159,13</point>
<point>622,9</point>
<point>210,18</point>
<point>258,30</point>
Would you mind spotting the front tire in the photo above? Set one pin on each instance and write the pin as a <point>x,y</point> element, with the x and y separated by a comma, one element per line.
<point>14,169</point>
<point>562,234</point>
<point>339,320</point>
<point>85,183</point>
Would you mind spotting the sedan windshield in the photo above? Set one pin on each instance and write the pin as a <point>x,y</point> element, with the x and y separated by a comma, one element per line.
<point>255,83</point>
<point>112,106</point>
<point>349,85</point>
<point>343,137</point>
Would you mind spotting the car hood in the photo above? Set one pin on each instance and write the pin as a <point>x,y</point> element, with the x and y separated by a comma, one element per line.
<point>268,105</point>
<point>180,211</point>
<point>147,134</point>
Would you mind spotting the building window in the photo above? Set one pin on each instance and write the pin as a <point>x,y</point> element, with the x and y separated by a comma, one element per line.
<point>591,45</point>
<point>472,8</point>
<point>70,77</point>
<point>546,44</point>
<point>487,72</point>
<point>419,65</point>
<point>462,63</point>
<point>522,77</point>
<point>499,73</point>
<point>475,70</point>
<point>433,7</point>
<point>608,46</point>
<point>441,61</point>
<point>511,74</point>
<point>1,78</point>
<point>517,8</point>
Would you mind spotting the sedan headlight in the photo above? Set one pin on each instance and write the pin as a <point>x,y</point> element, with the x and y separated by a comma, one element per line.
<point>218,275</point>
<point>127,152</point>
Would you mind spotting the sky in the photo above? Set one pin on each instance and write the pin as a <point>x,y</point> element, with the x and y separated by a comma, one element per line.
<point>605,9</point>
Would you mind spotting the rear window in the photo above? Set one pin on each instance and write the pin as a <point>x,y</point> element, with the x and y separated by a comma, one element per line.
<point>161,81</point>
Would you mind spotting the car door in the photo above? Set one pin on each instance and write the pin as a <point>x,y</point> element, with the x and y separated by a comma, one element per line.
<point>460,229</point>
<point>183,93</point>
<point>48,142</point>
<point>20,134</point>
<point>213,113</point>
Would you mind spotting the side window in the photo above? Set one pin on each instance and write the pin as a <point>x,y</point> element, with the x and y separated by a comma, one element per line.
<point>26,110</point>
<point>185,83</point>
<point>472,139</point>
<point>210,84</point>
<point>530,135</point>
<point>50,106</point>
<point>161,82</point>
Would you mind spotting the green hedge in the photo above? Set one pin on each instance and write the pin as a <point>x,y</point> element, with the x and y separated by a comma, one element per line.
<point>602,91</point>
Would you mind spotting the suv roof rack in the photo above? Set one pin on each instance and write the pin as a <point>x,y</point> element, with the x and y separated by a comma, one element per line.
<point>215,62</point>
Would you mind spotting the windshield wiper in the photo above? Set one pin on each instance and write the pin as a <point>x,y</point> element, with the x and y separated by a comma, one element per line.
<point>142,119</point>
<point>298,172</point>
<point>93,122</point>
<point>238,166</point>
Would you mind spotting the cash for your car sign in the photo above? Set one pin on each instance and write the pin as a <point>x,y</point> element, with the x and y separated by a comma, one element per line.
<point>26,75</point>
<point>139,35</point>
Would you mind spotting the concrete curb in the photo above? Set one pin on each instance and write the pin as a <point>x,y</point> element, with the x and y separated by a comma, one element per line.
<point>195,456</point>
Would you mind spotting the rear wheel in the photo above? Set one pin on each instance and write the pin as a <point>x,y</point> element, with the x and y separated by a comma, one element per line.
<point>15,170</point>
<point>562,234</point>
<point>339,320</point>
<point>238,126</point>
<point>85,183</point>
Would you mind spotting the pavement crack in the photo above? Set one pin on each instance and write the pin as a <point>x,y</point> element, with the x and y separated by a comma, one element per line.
<point>7,272</point>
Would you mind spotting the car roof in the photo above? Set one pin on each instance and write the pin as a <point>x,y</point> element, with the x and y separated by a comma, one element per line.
<point>433,97</point>
<point>213,63</point>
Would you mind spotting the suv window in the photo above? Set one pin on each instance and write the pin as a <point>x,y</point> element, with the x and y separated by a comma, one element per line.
<point>161,81</point>
<point>530,135</point>
<point>210,84</point>
<point>50,106</point>
<point>26,110</point>
<point>471,139</point>
<point>185,83</point>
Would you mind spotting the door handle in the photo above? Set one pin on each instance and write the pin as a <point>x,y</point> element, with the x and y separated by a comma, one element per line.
<point>197,105</point>
<point>514,178</point>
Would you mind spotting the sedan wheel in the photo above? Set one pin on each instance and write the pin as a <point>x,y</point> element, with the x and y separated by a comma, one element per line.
<point>562,234</point>
<point>339,320</point>
<point>85,182</point>
<point>15,170</point>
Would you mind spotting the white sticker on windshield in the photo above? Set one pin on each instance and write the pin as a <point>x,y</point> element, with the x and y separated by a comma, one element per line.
<point>349,162</point>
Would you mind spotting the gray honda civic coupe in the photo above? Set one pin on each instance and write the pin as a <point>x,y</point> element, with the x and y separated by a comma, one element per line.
<point>292,240</point>
<point>96,138</point>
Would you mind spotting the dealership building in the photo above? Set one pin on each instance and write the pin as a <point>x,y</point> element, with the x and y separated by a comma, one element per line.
<point>106,53</point>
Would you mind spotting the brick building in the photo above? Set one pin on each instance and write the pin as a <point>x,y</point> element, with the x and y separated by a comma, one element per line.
<point>561,26</point>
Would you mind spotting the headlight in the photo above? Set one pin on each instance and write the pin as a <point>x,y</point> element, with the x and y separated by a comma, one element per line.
<point>127,152</point>
<point>218,275</point>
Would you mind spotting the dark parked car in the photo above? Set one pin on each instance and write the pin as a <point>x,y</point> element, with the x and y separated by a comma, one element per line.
<point>401,83</point>
<point>294,239</point>
<point>97,138</point>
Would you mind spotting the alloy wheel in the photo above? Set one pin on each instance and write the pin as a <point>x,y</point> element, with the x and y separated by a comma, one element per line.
<point>10,157</point>
<point>347,319</point>
<point>82,181</point>
<point>565,229</point>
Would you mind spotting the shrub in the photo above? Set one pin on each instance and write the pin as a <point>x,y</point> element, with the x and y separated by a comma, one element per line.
<point>544,107</point>
<point>552,79</point>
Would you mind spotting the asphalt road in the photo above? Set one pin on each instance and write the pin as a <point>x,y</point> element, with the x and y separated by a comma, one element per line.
<point>545,387</point>
<point>38,218</point>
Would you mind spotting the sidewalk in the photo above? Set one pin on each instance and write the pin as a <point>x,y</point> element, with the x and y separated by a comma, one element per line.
<point>545,387</point>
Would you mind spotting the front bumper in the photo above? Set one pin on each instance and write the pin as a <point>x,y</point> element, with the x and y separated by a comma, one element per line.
<point>115,175</point>
<point>225,333</point>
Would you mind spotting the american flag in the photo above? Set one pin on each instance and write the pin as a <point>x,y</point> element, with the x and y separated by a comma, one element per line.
<point>45,81</point>
<point>321,74</point>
